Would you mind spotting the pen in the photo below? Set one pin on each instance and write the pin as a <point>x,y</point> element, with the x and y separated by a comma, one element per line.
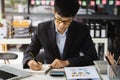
<point>108,60</point>
<point>48,70</point>
<point>118,61</point>
<point>33,56</point>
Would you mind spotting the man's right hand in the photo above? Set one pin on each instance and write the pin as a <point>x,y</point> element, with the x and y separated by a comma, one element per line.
<point>34,65</point>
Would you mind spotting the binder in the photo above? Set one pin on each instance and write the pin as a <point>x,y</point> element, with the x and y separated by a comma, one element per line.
<point>92,30</point>
<point>103,31</point>
<point>97,30</point>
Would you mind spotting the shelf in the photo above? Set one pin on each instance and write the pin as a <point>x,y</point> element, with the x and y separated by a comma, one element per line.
<point>105,17</point>
<point>28,40</point>
<point>26,14</point>
<point>15,41</point>
<point>100,40</point>
<point>15,14</point>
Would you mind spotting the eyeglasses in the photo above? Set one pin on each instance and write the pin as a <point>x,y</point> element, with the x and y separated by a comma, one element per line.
<point>66,22</point>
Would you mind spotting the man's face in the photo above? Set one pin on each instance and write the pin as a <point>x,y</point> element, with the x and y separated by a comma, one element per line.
<point>62,23</point>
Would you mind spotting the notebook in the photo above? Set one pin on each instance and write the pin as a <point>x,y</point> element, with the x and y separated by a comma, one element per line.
<point>44,70</point>
<point>10,73</point>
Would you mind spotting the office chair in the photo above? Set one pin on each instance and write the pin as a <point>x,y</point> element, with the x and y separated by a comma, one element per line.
<point>8,56</point>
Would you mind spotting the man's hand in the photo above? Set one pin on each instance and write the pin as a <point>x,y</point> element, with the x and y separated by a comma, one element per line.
<point>59,63</point>
<point>34,65</point>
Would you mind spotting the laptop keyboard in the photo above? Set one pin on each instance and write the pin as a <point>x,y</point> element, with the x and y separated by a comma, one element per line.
<point>6,75</point>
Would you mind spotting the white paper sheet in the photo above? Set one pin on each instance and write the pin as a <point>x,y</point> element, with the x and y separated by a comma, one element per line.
<point>85,73</point>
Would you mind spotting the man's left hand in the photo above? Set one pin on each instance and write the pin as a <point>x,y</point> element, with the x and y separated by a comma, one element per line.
<point>59,63</point>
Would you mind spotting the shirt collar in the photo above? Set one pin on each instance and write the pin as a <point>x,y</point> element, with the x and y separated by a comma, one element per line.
<point>59,32</point>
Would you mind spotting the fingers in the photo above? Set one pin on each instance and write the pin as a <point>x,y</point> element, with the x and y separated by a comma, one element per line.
<point>39,63</point>
<point>56,64</point>
<point>59,63</point>
<point>34,65</point>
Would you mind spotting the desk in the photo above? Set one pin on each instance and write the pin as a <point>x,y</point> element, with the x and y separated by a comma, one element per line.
<point>37,76</point>
<point>28,40</point>
<point>15,41</point>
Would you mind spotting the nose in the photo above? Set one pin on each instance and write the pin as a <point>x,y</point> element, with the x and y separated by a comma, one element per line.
<point>62,24</point>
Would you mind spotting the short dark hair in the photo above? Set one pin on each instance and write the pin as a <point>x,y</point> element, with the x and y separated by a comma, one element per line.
<point>66,8</point>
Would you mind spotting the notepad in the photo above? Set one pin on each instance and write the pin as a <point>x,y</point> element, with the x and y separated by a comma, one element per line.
<point>82,73</point>
<point>42,71</point>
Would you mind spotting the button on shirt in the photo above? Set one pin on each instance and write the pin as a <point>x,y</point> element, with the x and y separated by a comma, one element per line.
<point>60,39</point>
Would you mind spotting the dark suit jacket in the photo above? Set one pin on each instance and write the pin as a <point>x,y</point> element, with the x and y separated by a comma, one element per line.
<point>78,39</point>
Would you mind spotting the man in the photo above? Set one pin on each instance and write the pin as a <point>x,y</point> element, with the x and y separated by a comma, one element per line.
<point>62,40</point>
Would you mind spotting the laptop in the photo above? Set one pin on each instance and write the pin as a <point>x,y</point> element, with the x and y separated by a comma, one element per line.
<point>10,73</point>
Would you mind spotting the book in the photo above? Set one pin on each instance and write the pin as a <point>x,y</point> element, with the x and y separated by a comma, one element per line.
<point>97,30</point>
<point>81,73</point>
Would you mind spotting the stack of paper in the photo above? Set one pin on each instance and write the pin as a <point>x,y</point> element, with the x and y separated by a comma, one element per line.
<point>21,29</point>
<point>82,73</point>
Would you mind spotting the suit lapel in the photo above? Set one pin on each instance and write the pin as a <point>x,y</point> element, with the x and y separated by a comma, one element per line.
<point>69,39</point>
<point>52,38</point>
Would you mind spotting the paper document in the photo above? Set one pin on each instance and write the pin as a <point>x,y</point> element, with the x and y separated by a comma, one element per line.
<point>43,70</point>
<point>82,73</point>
